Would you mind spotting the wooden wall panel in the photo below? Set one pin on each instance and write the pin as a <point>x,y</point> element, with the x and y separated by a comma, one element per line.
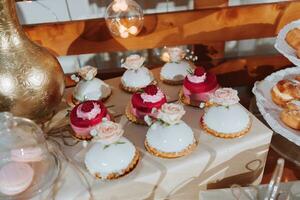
<point>179,28</point>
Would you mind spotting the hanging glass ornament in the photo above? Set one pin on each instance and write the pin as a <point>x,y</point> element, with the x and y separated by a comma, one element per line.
<point>124,18</point>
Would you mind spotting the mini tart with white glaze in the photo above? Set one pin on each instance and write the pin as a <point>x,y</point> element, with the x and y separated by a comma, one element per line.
<point>90,87</point>
<point>285,91</point>
<point>111,156</point>
<point>176,69</point>
<point>136,76</point>
<point>226,118</point>
<point>169,136</point>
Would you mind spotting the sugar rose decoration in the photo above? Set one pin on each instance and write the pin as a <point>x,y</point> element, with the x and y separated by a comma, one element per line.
<point>176,54</point>
<point>87,72</point>
<point>225,97</point>
<point>133,62</point>
<point>171,113</point>
<point>107,132</point>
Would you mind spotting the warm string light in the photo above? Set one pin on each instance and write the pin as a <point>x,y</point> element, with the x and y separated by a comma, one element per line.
<point>124,18</point>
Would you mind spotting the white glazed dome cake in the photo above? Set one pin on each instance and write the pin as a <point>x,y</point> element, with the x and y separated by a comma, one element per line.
<point>90,88</point>
<point>112,155</point>
<point>136,76</point>
<point>176,69</point>
<point>170,137</point>
<point>226,118</point>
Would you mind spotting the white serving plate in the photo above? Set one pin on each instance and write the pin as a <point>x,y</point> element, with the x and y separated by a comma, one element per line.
<point>269,110</point>
<point>283,47</point>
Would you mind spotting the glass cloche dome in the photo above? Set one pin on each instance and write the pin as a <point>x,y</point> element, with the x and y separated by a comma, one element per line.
<point>27,167</point>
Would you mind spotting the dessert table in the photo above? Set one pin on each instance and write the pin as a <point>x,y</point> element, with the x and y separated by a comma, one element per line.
<point>216,162</point>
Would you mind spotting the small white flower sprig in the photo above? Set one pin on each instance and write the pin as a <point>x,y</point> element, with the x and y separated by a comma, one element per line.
<point>86,72</point>
<point>133,62</point>
<point>169,114</point>
<point>190,56</point>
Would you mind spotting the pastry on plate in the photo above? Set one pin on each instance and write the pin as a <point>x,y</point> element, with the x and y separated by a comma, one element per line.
<point>197,87</point>
<point>176,68</point>
<point>168,136</point>
<point>290,116</point>
<point>90,87</point>
<point>136,76</point>
<point>225,117</point>
<point>144,102</point>
<point>285,91</point>
<point>293,38</point>
<point>85,116</point>
<point>111,155</point>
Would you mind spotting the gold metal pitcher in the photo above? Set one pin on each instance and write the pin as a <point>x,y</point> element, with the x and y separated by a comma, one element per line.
<point>31,79</point>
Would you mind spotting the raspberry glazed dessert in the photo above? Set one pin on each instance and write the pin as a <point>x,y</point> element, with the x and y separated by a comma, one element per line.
<point>85,116</point>
<point>197,87</point>
<point>145,103</point>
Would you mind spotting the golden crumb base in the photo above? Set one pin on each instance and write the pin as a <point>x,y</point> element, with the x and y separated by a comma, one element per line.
<point>223,135</point>
<point>131,117</point>
<point>171,82</point>
<point>131,166</point>
<point>291,118</point>
<point>169,155</point>
<point>134,89</point>
<point>72,102</point>
<point>187,101</point>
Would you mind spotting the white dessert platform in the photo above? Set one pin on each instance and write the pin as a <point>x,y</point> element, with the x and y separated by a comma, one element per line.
<point>216,162</point>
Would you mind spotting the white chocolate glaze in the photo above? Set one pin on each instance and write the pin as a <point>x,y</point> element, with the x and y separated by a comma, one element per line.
<point>175,71</point>
<point>169,139</point>
<point>226,120</point>
<point>113,159</point>
<point>94,89</point>
<point>137,78</point>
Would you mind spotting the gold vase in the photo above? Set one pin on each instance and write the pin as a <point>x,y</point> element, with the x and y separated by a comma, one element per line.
<point>31,79</point>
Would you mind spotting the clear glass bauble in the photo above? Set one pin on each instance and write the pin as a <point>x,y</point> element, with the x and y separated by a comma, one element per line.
<point>124,18</point>
<point>27,167</point>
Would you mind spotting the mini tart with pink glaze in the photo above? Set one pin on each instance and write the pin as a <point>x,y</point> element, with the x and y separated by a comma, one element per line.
<point>143,103</point>
<point>225,117</point>
<point>85,116</point>
<point>198,86</point>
